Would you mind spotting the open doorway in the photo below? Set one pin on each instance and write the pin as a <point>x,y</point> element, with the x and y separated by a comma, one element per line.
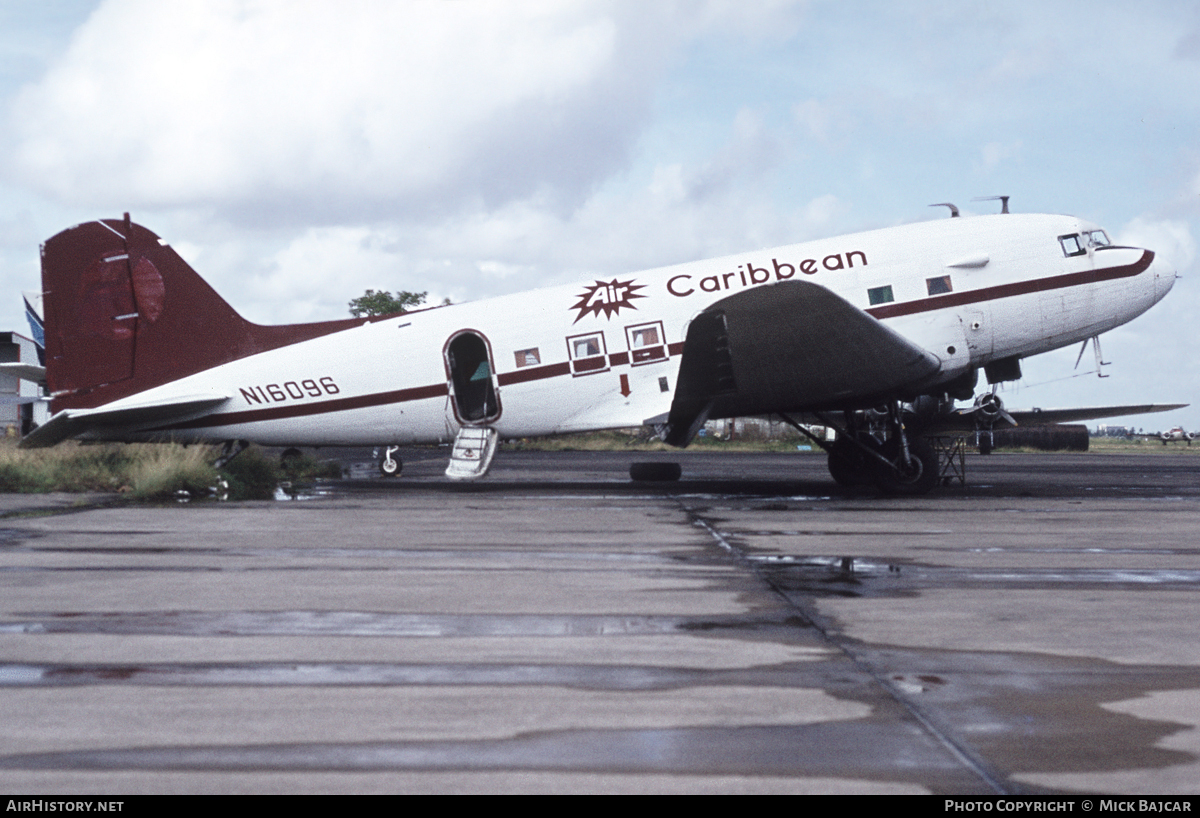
<point>469,364</point>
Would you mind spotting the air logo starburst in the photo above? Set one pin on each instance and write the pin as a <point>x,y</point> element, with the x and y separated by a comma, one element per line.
<point>607,297</point>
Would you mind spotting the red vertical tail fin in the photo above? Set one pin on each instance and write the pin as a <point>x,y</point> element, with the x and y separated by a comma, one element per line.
<point>124,313</point>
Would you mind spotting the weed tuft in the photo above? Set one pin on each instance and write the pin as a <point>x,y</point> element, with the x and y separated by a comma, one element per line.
<point>251,476</point>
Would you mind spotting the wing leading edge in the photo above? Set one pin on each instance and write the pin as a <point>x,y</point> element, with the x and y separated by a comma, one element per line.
<point>963,421</point>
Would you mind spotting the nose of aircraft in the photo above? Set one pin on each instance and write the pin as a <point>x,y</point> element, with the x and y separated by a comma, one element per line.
<point>1164,276</point>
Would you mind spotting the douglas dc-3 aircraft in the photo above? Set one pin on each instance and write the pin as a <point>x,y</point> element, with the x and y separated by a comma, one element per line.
<point>874,333</point>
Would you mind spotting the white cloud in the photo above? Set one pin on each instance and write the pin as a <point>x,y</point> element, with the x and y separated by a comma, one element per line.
<point>993,153</point>
<point>331,109</point>
<point>822,121</point>
<point>1170,238</point>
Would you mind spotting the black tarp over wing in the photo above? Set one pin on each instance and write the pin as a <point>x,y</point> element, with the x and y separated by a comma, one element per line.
<point>788,347</point>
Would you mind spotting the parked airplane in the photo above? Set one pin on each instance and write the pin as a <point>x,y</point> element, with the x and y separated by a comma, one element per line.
<point>1176,434</point>
<point>874,333</point>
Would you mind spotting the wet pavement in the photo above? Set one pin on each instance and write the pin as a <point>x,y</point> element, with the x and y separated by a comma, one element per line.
<point>557,628</point>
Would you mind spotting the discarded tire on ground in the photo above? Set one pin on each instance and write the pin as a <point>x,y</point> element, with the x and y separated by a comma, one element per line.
<point>655,471</point>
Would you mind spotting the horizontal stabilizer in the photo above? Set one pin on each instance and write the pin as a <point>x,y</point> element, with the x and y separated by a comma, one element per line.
<point>27,372</point>
<point>75,422</point>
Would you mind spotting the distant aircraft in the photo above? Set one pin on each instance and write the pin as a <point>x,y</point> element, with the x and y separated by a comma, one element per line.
<point>875,334</point>
<point>1175,434</point>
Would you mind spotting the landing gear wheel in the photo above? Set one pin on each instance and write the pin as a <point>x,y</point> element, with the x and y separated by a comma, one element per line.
<point>849,465</point>
<point>290,457</point>
<point>390,466</point>
<point>655,471</point>
<point>914,478</point>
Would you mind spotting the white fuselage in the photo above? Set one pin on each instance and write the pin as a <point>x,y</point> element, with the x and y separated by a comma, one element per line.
<point>605,353</point>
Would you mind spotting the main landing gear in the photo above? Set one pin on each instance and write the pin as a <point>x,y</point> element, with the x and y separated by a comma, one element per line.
<point>864,460</point>
<point>874,448</point>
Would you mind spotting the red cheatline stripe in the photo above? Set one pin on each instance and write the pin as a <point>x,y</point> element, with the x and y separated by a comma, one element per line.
<point>538,373</point>
<point>300,409</point>
<point>1019,288</point>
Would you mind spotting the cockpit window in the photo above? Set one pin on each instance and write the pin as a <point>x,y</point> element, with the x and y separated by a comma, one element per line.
<point>1072,245</point>
<point>1098,238</point>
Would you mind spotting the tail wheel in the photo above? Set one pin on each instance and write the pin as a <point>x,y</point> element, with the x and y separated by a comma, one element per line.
<point>390,466</point>
<point>918,476</point>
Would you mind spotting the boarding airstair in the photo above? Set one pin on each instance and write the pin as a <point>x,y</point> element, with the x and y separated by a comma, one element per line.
<point>474,448</point>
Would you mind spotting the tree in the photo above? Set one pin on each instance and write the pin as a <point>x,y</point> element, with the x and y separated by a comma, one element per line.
<point>383,303</point>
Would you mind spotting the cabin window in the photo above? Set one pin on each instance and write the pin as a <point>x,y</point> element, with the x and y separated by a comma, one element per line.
<point>1071,245</point>
<point>880,295</point>
<point>646,343</point>
<point>588,353</point>
<point>1098,238</point>
<point>644,337</point>
<point>528,357</point>
<point>585,347</point>
<point>939,285</point>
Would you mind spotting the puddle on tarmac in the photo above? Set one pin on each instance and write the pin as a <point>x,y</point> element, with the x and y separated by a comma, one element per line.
<point>841,566</point>
<point>818,573</point>
<point>303,491</point>
<point>599,677</point>
<point>353,623</point>
<point>867,746</point>
<point>809,532</point>
<point>317,558</point>
<point>771,503</point>
<point>1006,549</point>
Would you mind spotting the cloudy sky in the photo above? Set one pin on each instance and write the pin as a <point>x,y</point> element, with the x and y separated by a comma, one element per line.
<point>298,152</point>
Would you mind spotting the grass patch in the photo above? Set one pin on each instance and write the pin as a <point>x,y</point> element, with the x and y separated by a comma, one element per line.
<point>142,470</point>
<point>162,470</point>
<point>147,471</point>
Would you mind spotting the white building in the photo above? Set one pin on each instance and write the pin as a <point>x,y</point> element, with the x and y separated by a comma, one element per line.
<point>22,403</point>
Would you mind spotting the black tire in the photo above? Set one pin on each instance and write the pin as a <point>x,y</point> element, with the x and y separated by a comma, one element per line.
<point>919,477</point>
<point>655,471</point>
<point>394,470</point>
<point>849,465</point>
<point>290,456</point>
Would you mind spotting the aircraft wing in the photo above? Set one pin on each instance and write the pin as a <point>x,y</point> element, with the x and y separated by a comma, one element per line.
<point>790,346</point>
<point>964,421</point>
<point>73,422</point>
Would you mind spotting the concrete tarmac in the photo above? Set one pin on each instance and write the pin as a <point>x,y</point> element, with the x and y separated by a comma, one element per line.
<point>557,628</point>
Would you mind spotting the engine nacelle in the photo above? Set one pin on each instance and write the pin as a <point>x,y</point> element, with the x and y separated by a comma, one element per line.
<point>989,408</point>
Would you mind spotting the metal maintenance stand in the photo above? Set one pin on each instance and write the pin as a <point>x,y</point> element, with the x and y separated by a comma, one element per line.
<point>952,459</point>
